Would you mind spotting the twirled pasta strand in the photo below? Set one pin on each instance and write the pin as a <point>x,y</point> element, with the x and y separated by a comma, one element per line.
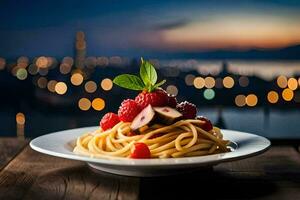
<point>181,139</point>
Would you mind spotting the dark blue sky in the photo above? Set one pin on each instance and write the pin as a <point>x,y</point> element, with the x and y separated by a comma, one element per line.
<point>133,28</point>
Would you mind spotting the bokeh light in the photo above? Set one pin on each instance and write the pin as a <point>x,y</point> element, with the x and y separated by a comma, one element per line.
<point>106,84</point>
<point>20,118</point>
<point>33,69</point>
<point>80,35</point>
<point>102,61</point>
<point>209,82</point>
<point>115,60</point>
<point>172,89</point>
<point>42,82</point>
<point>244,81</point>
<point>199,82</point>
<point>189,79</point>
<point>42,62</point>
<point>21,74</point>
<point>98,104</point>
<point>61,88</point>
<point>273,97</point>
<point>90,62</point>
<point>287,94</point>
<point>209,94</point>
<point>228,82</point>
<point>240,100</point>
<point>52,62</point>
<point>76,79</point>
<point>84,104</point>
<point>65,68</point>
<point>80,45</point>
<point>299,81</point>
<point>219,83</point>
<point>282,81</point>
<point>23,61</point>
<point>68,60</point>
<point>251,100</point>
<point>90,86</point>
<point>51,85</point>
<point>292,83</point>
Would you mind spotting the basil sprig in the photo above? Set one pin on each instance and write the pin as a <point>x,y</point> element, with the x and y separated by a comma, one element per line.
<point>146,81</point>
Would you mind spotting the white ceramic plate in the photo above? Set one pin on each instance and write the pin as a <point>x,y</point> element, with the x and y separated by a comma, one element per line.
<point>61,144</point>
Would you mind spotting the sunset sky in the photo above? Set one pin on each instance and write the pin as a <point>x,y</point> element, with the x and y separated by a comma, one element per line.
<point>140,27</point>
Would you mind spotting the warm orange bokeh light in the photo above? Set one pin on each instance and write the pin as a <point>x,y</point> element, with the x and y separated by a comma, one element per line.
<point>287,94</point>
<point>273,97</point>
<point>240,100</point>
<point>84,104</point>
<point>90,86</point>
<point>209,82</point>
<point>20,118</point>
<point>98,104</point>
<point>282,81</point>
<point>251,100</point>
<point>51,85</point>
<point>76,79</point>
<point>292,83</point>
<point>42,62</point>
<point>106,84</point>
<point>61,88</point>
<point>199,82</point>
<point>228,82</point>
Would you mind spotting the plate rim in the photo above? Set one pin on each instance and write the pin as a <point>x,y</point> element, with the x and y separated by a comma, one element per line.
<point>145,163</point>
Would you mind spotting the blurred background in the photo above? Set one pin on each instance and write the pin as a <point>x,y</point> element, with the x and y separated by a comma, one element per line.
<point>238,61</point>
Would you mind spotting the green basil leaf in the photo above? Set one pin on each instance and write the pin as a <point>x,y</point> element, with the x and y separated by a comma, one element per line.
<point>148,73</point>
<point>129,81</point>
<point>159,84</point>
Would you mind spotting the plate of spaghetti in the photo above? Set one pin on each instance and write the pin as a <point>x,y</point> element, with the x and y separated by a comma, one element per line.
<point>151,135</point>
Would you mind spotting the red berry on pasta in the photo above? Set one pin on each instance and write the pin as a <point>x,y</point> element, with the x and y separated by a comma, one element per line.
<point>187,109</point>
<point>140,150</point>
<point>128,110</point>
<point>207,125</point>
<point>109,120</point>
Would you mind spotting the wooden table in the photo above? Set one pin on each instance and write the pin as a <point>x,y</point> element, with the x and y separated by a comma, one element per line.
<point>26,174</point>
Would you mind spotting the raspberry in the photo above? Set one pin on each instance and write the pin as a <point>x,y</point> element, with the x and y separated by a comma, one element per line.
<point>207,126</point>
<point>128,110</point>
<point>157,98</point>
<point>172,101</point>
<point>109,120</point>
<point>187,109</point>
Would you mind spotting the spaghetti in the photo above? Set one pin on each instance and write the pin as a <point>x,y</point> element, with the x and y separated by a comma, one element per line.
<point>182,139</point>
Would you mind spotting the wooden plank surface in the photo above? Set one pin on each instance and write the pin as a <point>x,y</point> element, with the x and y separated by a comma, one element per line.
<point>273,175</point>
<point>32,175</point>
<point>9,147</point>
